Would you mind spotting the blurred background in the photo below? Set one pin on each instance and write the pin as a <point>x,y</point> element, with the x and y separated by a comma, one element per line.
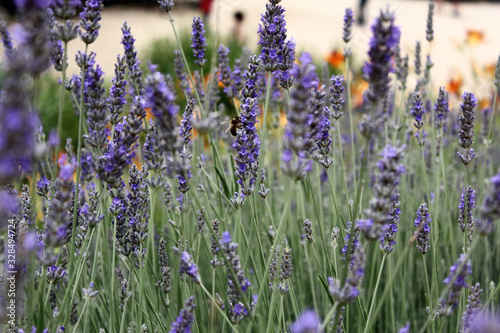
<point>464,51</point>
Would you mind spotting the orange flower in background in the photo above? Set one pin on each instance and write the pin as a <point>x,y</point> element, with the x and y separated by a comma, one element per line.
<point>484,103</point>
<point>336,58</point>
<point>357,89</point>
<point>489,69</point>
<point>474,37</point>
<point>454,84</point>
<point>149,114</point>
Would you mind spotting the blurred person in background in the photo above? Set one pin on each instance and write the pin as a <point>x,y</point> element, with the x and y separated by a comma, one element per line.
<point>361,12</point>
<point>237,30</point>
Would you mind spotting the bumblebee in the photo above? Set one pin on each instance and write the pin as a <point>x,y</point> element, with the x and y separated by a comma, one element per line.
<point>234,125</point>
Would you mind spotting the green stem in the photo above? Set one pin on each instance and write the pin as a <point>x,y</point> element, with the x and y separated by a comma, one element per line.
<point>351,121</point>
<point>61,104</point>
<point>370,313</point>
<point>81,315</point>
<point>264,122</point>
<point>186,63</point>
<point>78,152</point>
<point>328,316</point>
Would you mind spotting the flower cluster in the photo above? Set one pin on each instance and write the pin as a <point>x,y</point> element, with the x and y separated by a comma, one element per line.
<point>185,319</point>
<point>350,290</point>
<point>456,280</point>
<point>422,223</point>
<point>160,99</point>
<point>298,130</point>
<point>465,219</point>
<point>134,71</point>
<point>237,310</point>
<point>189,268</point>
<point>89,20</point>
<point>247,142</point>
<point>199,42</point>
<point>418,112</point>
<point>466,131</point>
<point>379,218</point>
<point>490,209</point>
<point>272,33</point>
<point>385,38</point>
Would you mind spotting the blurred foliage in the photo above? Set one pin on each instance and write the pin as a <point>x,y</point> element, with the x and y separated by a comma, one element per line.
<point>161,52</point>
<point>48,93</point>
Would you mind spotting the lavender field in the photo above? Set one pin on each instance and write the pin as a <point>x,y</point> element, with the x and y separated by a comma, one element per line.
<point>216,186</point>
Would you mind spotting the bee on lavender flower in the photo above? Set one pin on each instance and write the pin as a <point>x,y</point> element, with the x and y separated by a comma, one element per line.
<point>234,125</point>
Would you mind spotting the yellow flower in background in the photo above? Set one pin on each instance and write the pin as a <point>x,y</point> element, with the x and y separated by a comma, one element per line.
<point>474,37</point>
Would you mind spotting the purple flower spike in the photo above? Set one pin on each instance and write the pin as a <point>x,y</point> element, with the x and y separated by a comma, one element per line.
<point>237,311</point>
<point>380,216</point>
<point>466,131</point>
<point>376,71</point>
<point>161,100</point>
<point>422,223</point>
<point>418,112</point>
<point>490,210</point>
<point>185,319</point>
<point>166,5</point>
<point>337,100</point>
<point>299,138</point>
<point>458,281</point>
<point>348,23</point>
<point>89,20</point>
<point>272,32</point>
<point>199,42</point>
<point>247,142</point>
<point>133,64</point>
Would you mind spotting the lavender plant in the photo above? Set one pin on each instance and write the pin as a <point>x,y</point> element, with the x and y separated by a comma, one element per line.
<point>124,230</point>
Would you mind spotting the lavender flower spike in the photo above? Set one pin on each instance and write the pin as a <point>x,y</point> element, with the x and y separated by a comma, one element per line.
<point>422,223</point>
<point>199,42</point>
<point>247,142</point>
<point>89,20</point>
<point>161,100</point>
<point>272,34</point>
<point>458,281</point>
<point>166,5</point>
<point>337,100</point>
<point>185,319</point>
<point>96,114</point>
<point>379,216</point>
<point>297,132</point>
<point>237,311</point>
<point>348,23</point>
<point>385,38</point>
<point>466,131</point>
<point>133,63</point>
<point>350,290</point>
<point>490,210</point>
<point>429,32</point>
<point>473,307</point>
<point>418,111</point>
